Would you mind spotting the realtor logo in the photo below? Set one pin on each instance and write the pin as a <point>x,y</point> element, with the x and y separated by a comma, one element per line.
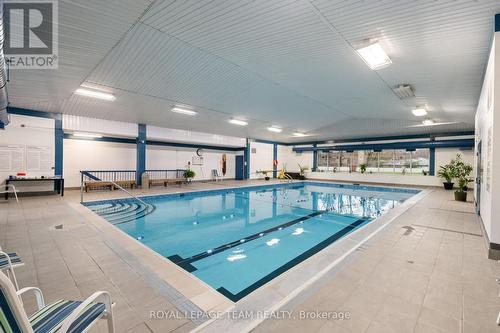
<point>31,33</point>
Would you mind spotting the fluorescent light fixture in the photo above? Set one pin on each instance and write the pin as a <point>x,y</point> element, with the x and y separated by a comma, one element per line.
<point>374,56</point>
<point>428,122</point>
<point>95,94</point>
<point>419,112</point>
<point>238,122</point>
<point>299,134</point>
<point>274,129</point>
<point>184,111</point>
<point>87,135</point>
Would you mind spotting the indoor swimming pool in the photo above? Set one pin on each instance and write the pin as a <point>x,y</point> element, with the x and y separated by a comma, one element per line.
<point>238,239</point>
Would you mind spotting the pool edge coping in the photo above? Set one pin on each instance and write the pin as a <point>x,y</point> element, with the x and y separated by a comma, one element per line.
<point>386,219</point>
<point>132,245</point>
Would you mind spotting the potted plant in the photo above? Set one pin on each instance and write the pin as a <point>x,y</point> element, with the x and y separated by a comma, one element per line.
<point>264,172</point>
<point>362,167</point>
<point>302,171</point>
<point>447,173</point>
<point>189,175</point>
<point>462,173</point>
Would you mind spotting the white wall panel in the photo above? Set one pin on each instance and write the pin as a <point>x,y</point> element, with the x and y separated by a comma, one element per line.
<point>161,158</point>
<point>487,133</point>
<point>29,131</point>
<point>262,159</point>
<point>101,126</point>
<point>177,135</point>
<point>291,160</point>
<point>95,155</point>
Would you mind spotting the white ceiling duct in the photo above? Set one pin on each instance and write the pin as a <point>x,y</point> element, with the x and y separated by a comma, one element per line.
<point>4,117</point>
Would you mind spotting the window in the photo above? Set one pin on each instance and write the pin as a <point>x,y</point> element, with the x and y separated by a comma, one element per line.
<point>322,160</point>
<point>420,161</point>
<point>401,161</point>
<point>385,161</point>
<point>371,161</point>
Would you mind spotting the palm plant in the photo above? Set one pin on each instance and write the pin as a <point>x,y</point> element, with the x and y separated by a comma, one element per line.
<point>362,167</point>
<point>446,172</point>
<point>461,172</point>
<point>302,170</point>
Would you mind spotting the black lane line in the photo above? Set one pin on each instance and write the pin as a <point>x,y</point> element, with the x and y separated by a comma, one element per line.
<point>186,262</point>
<point>295,261</point>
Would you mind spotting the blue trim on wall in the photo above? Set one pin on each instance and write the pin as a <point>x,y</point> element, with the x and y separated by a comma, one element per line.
<point>271,142</point>
<point>103,139</point>
<point>58,144</point>
<point>246,158</point>
<point>141,153</point>
<point>385,138</point>
<point>192,145</point>
<point>463,143</point>
<point>275,158</point>
<point>31,113</point>
<point>432,161</point>
<point>497,22</point>
<point>315,158</point>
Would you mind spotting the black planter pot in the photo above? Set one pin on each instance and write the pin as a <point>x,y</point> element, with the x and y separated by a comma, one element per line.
<point>448,186</point>
<point>267,178</point>
<point>302,177</point>
<point>460,196</point>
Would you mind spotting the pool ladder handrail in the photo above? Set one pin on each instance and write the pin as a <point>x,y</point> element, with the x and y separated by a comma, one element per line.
<point>288,177</point>
<point>114,184</point>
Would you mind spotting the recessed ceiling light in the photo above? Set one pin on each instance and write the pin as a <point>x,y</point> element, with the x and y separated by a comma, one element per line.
<point>374,56</point>
<point>87,135</point>
<point>299,134</point>
<point>274,129</point>
<point>184,111</point>
<point>238,122</point>
<point>419,112</point>
<point>428,122</point>
<point>95,94</point>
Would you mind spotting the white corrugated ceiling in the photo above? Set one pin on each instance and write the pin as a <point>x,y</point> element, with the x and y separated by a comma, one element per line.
<point>286,63</point>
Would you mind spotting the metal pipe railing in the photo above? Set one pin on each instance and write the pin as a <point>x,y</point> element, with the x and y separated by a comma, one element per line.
<point>114,176</point>
<point>91,176</point>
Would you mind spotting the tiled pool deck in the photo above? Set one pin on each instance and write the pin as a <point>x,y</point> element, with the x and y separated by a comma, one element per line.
<point>425,272</point>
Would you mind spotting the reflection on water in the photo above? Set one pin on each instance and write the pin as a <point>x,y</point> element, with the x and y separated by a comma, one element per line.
<point>354,205</point>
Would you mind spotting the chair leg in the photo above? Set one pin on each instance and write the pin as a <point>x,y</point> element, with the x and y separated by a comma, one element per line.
<point>110,321</point>
<point>12,276</point>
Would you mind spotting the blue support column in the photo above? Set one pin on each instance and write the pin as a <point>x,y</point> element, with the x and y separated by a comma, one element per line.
<point>58,144</point>
<point>141,153</point>
<point>275,158</point>
<point>247,160</point>
<point>432,161</point>
<point>315,158</point>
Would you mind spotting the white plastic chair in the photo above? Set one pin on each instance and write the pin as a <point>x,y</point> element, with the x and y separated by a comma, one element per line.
<point>9,261</point>
<point>215,175</point>
<point>61,316</point>
<point>5,189</point>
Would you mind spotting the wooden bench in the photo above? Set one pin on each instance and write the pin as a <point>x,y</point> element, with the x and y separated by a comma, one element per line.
<point>126,183</point>
<point>176,181</point>
<point>166,181</point>
<point>91,185</point>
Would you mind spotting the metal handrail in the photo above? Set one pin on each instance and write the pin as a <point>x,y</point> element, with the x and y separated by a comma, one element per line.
<point>88,174</point>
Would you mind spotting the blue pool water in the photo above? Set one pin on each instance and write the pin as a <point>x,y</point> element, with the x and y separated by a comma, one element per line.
<point>238,239</point>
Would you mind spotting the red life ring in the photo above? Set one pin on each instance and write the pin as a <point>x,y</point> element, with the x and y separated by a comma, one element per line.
<point>275,162</point>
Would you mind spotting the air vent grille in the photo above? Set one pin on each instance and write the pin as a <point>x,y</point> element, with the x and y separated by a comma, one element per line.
<point>404,91</point>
